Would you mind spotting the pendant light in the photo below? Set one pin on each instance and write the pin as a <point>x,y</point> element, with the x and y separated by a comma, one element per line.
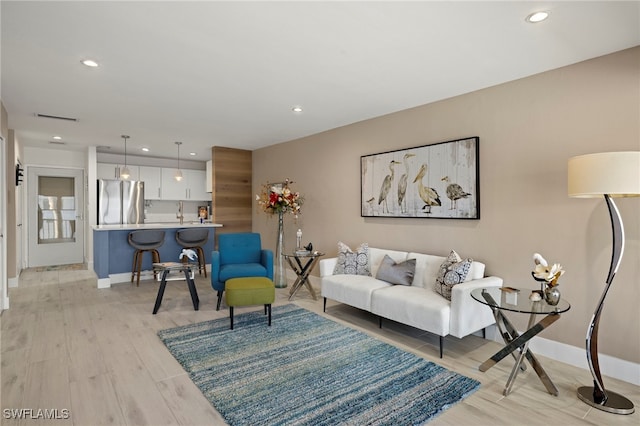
<point>178,175</point>
<point>124,173</point>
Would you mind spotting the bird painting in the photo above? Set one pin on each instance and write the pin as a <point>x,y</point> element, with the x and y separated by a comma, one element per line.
<point>370,202</point>
<point>429,195</point>
<point>454,192</point>
<point>386,186</point>
<point>402,183</point>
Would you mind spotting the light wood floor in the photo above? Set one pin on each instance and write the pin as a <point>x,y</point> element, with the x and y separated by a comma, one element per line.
<point>68,345</point>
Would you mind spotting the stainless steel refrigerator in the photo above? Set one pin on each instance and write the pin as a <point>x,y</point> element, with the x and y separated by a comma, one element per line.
<point>120,202</point>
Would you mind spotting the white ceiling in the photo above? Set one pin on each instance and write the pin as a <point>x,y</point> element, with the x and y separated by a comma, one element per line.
<point>229,73</point>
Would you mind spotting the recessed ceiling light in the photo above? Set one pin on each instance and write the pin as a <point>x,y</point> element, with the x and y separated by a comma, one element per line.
<point>192,153</point>
<point>296,109</point>
<point>57,138</point>
<point>90,63</point>
<point>145,149</point>
<point>536,17</point>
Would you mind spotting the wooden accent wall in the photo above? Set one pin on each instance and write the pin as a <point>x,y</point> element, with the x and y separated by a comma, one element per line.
<point>231,196</point>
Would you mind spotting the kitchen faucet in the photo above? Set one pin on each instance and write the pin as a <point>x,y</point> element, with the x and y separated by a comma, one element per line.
<point>180,214</point>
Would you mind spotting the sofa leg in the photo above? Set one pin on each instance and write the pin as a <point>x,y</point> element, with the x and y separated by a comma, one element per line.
<point>380,322</point>
<point>231,317</point>
<point>324,306</point>
<point>484,333</point>
<point>219,300</point>
<point>441,343</point>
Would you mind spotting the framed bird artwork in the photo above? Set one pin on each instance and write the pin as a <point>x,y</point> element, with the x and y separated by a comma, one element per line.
<point>439,181</point>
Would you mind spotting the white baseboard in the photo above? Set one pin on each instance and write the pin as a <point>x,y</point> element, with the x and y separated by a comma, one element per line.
<point>13,282</point>
<point>610,366</point>
<point>104,282</point>
<point>4,302</point>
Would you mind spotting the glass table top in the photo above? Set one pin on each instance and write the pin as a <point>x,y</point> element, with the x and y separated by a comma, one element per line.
<point>307,254</point>
<point>517,300</point>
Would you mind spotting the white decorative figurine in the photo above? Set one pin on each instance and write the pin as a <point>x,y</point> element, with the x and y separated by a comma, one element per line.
<point>189,253</point>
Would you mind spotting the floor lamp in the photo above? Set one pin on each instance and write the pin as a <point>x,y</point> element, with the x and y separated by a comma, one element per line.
<point>607,174</point>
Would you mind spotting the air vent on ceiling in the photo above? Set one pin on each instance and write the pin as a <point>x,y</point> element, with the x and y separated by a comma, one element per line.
<point>57,143</point>
<point>56,117</point>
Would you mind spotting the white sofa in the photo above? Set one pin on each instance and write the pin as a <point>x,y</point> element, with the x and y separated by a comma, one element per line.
<point>417,305</point>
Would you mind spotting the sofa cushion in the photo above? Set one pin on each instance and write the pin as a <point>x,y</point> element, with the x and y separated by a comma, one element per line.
<point>354,290</point>
<point>453,271</point>
<point>351,263</point>
<point>427,267</point>
<point>414,306</point>
<point>400,273</point>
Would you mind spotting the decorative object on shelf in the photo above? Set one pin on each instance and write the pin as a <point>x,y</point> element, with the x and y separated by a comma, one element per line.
<point>178,175</point>
<point>306,250</point>
<point>548,277</point>
<point>408,182</point>
<point>19,174</point>
<point>535,296</point>
<point>124,173</point>
<point>605,174</point>
<point>552,295</point>
<point>277,198</point>
<point>299,240</point>
<point>188,253</point>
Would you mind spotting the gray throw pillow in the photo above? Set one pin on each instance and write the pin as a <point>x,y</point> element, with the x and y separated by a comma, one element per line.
<point>396,273</point>
<point>452,271</point>
<point>351,263</point>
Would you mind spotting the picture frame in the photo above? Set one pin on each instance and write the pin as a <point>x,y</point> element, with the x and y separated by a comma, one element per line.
<point>438,181</point>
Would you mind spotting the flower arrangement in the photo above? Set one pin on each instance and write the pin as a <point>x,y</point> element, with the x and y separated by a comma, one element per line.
<point>545,273</point>
<point>279,198</point>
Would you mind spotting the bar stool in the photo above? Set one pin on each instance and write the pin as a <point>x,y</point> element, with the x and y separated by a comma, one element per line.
<point>194,239</point>
<point>147,240</point>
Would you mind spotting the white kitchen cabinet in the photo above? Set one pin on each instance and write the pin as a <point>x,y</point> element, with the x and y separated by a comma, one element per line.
<point>209,176</point>
<point>191,187</point>
<point>112,171</point>
<point>107,171</point>
<point>171,188</point>
<point>196,185</point>
<point>151,176</point>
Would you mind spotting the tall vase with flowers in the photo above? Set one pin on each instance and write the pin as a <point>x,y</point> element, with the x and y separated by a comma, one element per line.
<point>548,276</point>
<point>278,198</point>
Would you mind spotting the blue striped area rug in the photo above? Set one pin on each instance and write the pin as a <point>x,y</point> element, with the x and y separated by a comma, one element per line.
<point>308,370</point>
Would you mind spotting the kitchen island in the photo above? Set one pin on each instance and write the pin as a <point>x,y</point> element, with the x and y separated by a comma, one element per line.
<point>113,256</point>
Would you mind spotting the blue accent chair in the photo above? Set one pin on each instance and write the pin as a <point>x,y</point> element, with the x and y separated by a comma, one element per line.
<point>239,255</point>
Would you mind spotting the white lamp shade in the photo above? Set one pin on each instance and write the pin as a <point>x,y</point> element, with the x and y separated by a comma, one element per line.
<point>178,175</point>
<point>124,173</point>
<point>616,174</point>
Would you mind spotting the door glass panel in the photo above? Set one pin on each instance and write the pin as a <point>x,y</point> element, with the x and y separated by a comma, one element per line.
<point>56,210</point>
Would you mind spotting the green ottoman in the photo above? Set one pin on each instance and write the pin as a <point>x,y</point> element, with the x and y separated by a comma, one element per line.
<point>249,291</point>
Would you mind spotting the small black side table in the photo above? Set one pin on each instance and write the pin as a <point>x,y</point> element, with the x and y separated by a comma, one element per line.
<point>187,268</point>
<point>501,299</point>
<point>302,271</point>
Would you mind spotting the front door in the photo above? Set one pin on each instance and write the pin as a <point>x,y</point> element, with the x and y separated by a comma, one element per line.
<point>56,216</point>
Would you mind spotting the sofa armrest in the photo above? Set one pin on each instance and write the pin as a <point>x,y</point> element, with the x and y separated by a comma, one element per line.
<point>469,315</point>
<point>266,259</point>
<point>327,266</point>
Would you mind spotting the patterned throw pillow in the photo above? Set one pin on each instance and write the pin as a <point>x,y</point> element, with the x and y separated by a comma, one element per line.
<point>351,263</point>
<point>452,271</point>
